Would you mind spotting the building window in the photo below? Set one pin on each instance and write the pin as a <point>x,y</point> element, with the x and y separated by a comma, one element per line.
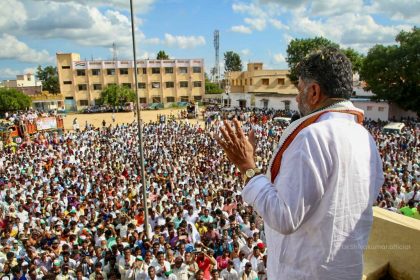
<point>287,105</point>
<point>142,70</point>
<point>96,72</point>
<point>197,84</point>
<point>170,85</point>
<point>97,87</point>
<point>126,85</point>
<point>67,82</point>
<point>124,71</point>
<point>265,82</point>
<point>155,85</point>
<point>65,67</point>
<point>82,87</point>
<point>381,109</point>
<point>81,72</point>
<point>250,81</point>
<point>84,102</point>
<point>112,84</point>
<point>369,108</point>
<point>197,98</point>
<point>170,99</point>
<point>156,99</point>
<point>169,70</point>
<point>142,85</point>
<point>185,98</point>
<point>265,103</point>
<point>183,70</point>
<point>246,82</point>
<point>183,84</point>
<point>142,100</point>
<point>110,72</point>
<point>280,81</point>
<point>196,69</point>
<point>155,70</point>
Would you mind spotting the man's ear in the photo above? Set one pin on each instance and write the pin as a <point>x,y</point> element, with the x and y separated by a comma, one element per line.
<point>316,95</point>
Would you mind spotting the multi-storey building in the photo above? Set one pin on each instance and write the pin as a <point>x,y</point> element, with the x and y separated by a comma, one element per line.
<point>159,81</point>
<point>257,87</point>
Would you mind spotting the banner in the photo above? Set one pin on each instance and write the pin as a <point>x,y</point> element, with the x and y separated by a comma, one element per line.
<point>46,123</point>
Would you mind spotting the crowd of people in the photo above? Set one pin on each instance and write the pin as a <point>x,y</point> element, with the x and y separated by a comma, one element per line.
<point>72,206</point>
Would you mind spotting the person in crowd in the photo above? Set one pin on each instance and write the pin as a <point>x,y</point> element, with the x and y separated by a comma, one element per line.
<point>73,200</point>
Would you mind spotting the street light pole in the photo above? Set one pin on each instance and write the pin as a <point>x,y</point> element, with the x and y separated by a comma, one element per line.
<point>139,127</point>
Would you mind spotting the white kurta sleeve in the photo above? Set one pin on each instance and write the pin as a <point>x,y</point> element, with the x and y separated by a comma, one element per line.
<point>298,188</point>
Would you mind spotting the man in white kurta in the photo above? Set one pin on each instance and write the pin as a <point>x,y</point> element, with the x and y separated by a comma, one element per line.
<point>318,214</point>
<point>316,199</point>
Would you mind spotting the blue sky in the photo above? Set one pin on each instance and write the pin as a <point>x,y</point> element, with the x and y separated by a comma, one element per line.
<point>33,31</point>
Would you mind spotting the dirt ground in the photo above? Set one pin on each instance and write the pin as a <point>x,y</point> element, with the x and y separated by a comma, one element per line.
<point>121,117</point>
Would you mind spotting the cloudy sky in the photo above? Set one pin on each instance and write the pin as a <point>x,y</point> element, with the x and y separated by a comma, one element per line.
<point>33,31</point>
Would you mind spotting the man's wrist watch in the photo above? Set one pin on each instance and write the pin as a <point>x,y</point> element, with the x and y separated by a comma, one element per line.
<point>250,173</point>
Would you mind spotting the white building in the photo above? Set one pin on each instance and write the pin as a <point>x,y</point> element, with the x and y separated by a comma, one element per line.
<point>25,83</point>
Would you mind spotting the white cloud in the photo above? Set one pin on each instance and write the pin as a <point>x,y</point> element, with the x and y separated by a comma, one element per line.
<point>404,10</point>
<point>87,26</point>
<point>14,49</point>
<point>256,23</point>
<point>252,9</point>
<point>359,31</point>
<point>140,6</point>
<point>347,22</point>
<point>279,58</point>
<point>335,7</point>
<point>245,52</point>
<point>152,41</point>
<point>286,3</point>
<point>183,42</point>
<point>241,29</point>
<point>29,70</point>
<point>12,15</point>
<point>7,73</point>
<point>278,24</point>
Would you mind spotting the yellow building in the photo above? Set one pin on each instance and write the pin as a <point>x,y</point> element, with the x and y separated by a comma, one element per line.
<point>159,81</point>
<point>257,87</point>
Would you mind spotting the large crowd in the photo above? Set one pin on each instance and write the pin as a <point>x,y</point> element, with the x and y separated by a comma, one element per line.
<point>72,206</point>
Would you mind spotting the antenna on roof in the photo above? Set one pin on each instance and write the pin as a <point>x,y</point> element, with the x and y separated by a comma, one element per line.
<point>216,71</point>
<point>114,52</point>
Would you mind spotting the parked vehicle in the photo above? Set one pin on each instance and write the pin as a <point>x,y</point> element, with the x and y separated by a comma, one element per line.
<point>27,128</point>
<point>393,128</point>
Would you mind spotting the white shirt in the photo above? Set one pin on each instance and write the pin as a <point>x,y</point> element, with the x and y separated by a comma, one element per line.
<point>229,275</point>
<point>318,214</point>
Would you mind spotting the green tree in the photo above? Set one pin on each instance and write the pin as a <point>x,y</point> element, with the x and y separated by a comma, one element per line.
<point>232,61</point>
<point>212,88</point>
<point>161,55</point>
<point>393,72</point>
<point>49,78</point>
<point>12,100</point>
<point>355,58</point>
<point>299,48</point>
<point>116,95</point>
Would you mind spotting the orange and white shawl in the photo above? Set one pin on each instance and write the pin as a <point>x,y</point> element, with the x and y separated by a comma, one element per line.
<point>295,127</point>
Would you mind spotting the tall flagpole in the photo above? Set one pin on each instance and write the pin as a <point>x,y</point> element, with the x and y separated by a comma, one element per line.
<point>139,127</point>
